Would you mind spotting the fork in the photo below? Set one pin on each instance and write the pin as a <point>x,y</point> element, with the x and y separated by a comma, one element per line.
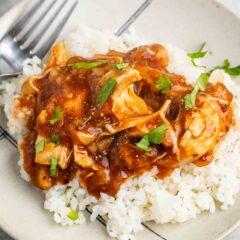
<point>12,46</point>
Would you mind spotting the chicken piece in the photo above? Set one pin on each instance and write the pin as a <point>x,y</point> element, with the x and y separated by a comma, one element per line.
<point>59,55</point>
<point>43,180</point>
<point>203,128</point>
<point>109,58</point>
<point>29,86</point>
<point>139,126</point>
<point>64,156</point>
<point>42,117</point>
<point>112,54</point>
<point>125,102</point>
<point>101,145</point>
<point>150,75</point>
<point>82,158</point>
<point>104,143</point>
<point>84,138</point>
<point>51,150</point>
<point>154,55</point>
<point>74,103</point>
<point>124,78</point>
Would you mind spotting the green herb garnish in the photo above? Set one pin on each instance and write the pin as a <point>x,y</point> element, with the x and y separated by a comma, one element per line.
<point>55,139</point>
<point>144,144</point>
<point>155,136</point>
<point>86,65</point>
<point>234,71</point>
<point>73,215</point>
<point>106,90</point>
<point>163,84</point>
<point>57,116</point>
<point>40,146</point>
<point>199,54</point>
<point>120,66</point>
<point>53,167</point>
<point>201,84</point>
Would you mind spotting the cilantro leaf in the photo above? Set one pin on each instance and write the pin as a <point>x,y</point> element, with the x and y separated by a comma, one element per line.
<point>199,54</point>
<point>155,136</point>
<point>201,84</point>
<point>144,144</point>
<point>234,71</point>
<point>202,81</point>
<point>163,84</point>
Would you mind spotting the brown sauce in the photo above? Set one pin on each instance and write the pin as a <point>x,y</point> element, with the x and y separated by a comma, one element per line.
<point>116,157</point>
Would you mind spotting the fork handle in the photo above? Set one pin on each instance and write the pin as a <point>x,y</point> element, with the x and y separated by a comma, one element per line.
<point>7,76</point>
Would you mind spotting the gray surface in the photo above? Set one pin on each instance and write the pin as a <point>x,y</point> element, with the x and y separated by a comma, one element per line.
<point>4,6</point>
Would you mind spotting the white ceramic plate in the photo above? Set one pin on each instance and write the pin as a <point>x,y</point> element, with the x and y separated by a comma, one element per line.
<point>185,23</point>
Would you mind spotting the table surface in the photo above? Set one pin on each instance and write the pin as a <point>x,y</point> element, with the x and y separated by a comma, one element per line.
<point>233,5</point>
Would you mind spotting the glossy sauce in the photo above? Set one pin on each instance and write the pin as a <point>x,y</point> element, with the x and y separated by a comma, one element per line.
<point>116,157</point>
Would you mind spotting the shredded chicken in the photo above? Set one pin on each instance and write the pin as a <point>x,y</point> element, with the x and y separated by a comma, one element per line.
<point>103,143</point>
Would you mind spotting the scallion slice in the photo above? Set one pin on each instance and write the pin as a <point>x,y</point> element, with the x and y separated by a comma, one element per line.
<point>73,215</point>
<point>106,90</point>
<point>86,65</point>
<point>53,167</point>
<point>40,146</point>
<point>57,115</point>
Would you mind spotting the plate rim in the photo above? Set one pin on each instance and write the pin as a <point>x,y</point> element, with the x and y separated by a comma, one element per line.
<point>8,229</point>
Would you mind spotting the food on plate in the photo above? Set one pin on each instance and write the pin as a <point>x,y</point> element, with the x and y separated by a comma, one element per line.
<point>136,132</point>
<point>113,116</point>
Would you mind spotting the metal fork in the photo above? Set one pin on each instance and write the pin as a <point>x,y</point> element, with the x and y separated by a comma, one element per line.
<point>12,49</point>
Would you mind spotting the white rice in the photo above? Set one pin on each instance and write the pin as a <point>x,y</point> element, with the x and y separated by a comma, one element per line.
<point>189,191</point>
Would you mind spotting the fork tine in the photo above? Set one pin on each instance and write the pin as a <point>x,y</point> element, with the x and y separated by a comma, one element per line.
<point>35,41</point>
<point>26,36</point>
<point>52,37</point>
<point>16,29</point>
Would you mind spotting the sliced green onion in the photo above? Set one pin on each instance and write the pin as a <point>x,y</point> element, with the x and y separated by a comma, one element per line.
<point>57,115</point>
<point>163,84</point>
<point>55,139</point>
<point>40,146</point>
<point>73,215</point>
<point>120,66</point>
<point>106,90</point>
<point>86,65</point>
<point>53,167</point>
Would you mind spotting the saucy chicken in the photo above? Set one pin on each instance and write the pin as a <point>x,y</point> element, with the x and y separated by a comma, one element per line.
<point>111,117</point>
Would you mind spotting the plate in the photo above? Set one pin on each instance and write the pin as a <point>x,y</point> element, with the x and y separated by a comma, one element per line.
<point>184,23</point>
